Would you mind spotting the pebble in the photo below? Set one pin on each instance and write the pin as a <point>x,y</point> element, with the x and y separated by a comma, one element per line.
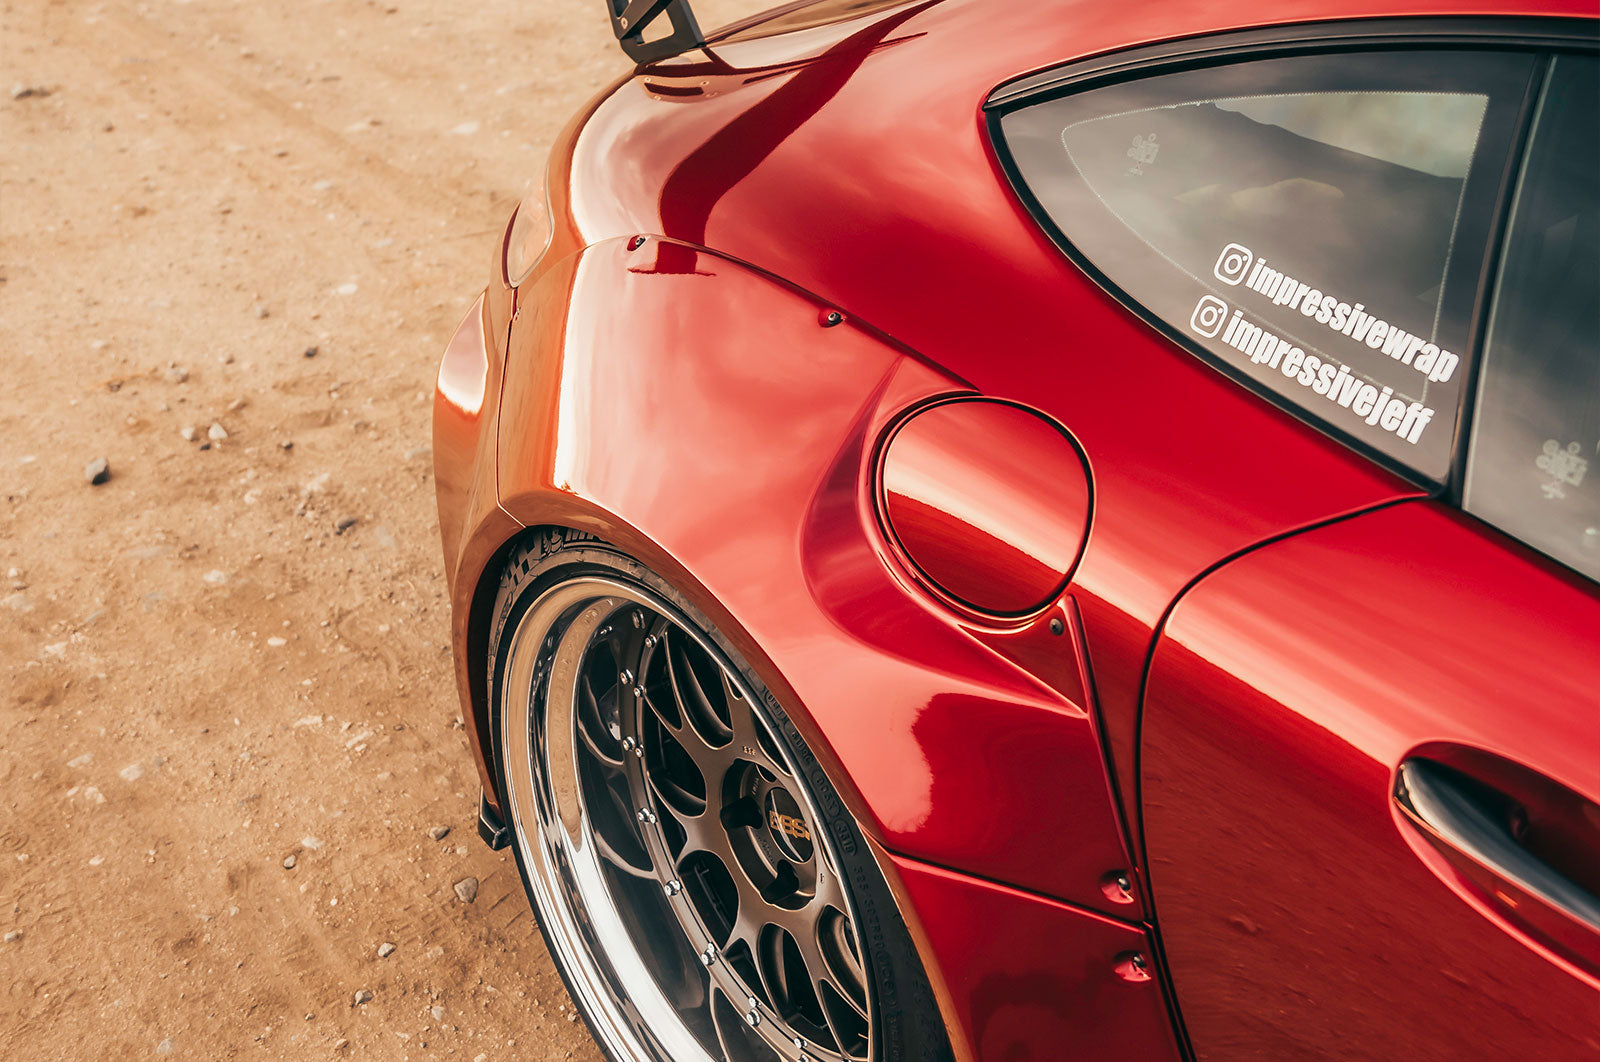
<point>289,862</point>
<point>311,352</point>
<point>467,890</point>
<point>439,833</point>
<point>188,432</point>
<point>20,91</point>
<point>166,1047</point>
<point>97,471</point>
<point>216,433</point>
<point>215,577</point>
<point>262,311</point>
<point>13,935</point>
<point>345,523</point>
<point>286,444</point>
<point>438,1013</point>
<point>132,772</point>
<point>312,843</point>
<point>385,950</point>
<point>346,289</point>
<point>177,374</point>
<point>363,996</point>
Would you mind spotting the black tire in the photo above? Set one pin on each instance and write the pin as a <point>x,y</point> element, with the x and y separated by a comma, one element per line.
<point>905,1022</point>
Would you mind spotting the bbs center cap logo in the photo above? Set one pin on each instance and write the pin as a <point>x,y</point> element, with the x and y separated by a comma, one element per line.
<point>788,827</point>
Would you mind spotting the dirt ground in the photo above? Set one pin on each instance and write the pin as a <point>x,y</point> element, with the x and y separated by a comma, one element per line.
<point>203,675</point>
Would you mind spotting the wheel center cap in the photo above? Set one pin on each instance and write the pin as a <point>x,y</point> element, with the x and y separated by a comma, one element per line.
<point>788,826</point>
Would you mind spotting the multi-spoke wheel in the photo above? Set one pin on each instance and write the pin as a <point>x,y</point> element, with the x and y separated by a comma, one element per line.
<point>664,818</point>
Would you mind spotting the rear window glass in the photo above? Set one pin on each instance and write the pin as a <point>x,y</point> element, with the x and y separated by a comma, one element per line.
<point>1536,439</point>
<point>1309,223</point>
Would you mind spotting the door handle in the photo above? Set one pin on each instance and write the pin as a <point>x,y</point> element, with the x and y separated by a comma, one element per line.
<point>1475,827</point>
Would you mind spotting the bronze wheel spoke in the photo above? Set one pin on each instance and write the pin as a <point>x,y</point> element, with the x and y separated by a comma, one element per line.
<point>704,853</point>
<point>592,715</point>
<point>750,738</point>
<point>699,713</point>
<point>844,1016</point>
<point>620,863</point>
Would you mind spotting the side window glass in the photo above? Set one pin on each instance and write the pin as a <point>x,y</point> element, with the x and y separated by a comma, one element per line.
<point>1314,224</point>
<point>1532,470</point>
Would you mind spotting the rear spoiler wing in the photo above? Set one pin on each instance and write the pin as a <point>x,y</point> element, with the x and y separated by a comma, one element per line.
<point>631,18</point>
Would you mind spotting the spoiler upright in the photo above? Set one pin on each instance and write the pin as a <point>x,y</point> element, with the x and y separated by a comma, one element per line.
<point>631,18</point>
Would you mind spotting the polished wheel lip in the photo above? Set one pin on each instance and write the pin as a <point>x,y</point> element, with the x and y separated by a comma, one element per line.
<point>630,1013</point>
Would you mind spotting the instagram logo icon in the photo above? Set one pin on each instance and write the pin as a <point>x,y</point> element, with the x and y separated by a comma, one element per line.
<point>1233,263</point>
<point>1209,313</point>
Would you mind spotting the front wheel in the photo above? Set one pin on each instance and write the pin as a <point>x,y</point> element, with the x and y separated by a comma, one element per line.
<point>703,890</point>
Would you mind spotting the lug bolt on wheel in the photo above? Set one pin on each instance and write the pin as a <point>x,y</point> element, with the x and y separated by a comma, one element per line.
<point>673,887</point>
<point>752,1017</point>
<point>709,956</point>
<point>628,743</point>
<point>646,816</point>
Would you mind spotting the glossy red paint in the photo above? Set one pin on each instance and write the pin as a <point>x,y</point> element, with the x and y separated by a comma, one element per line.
<point>988,502</point>
<point>733,165</point>
<point>686,405</point>
<point>1273,731</point>
<point>955,752</point>
<point>1013,962</point>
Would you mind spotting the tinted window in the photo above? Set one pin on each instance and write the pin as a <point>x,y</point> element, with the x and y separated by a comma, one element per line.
<point>1536,440</point>
<point>1314,224</point>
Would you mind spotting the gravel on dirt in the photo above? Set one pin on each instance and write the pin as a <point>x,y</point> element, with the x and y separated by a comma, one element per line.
<point>160,208</point>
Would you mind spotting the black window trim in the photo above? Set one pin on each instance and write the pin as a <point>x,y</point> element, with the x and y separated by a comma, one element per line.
<point>1540,36</point>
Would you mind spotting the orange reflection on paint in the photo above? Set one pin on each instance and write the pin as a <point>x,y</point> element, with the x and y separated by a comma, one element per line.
<point>465,368</point>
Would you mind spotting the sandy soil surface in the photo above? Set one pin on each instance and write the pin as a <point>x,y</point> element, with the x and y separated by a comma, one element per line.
<point>229,729</point>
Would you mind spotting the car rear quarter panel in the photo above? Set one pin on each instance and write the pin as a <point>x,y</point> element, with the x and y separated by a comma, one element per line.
<point>705,419</point>
<point>853,162</point>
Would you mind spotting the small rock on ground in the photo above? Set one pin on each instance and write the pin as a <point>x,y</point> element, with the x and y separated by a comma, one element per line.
<point>467,890</point>
<point>289,862</point>
<point>97,471</point>
<point>13,935</point>
<point>363,996</point>
<point>439,833</point>
<point>385,950</point>
<point>216,433</point>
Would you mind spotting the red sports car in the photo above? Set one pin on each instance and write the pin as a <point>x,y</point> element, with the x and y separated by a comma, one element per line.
<point>990,530</point>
